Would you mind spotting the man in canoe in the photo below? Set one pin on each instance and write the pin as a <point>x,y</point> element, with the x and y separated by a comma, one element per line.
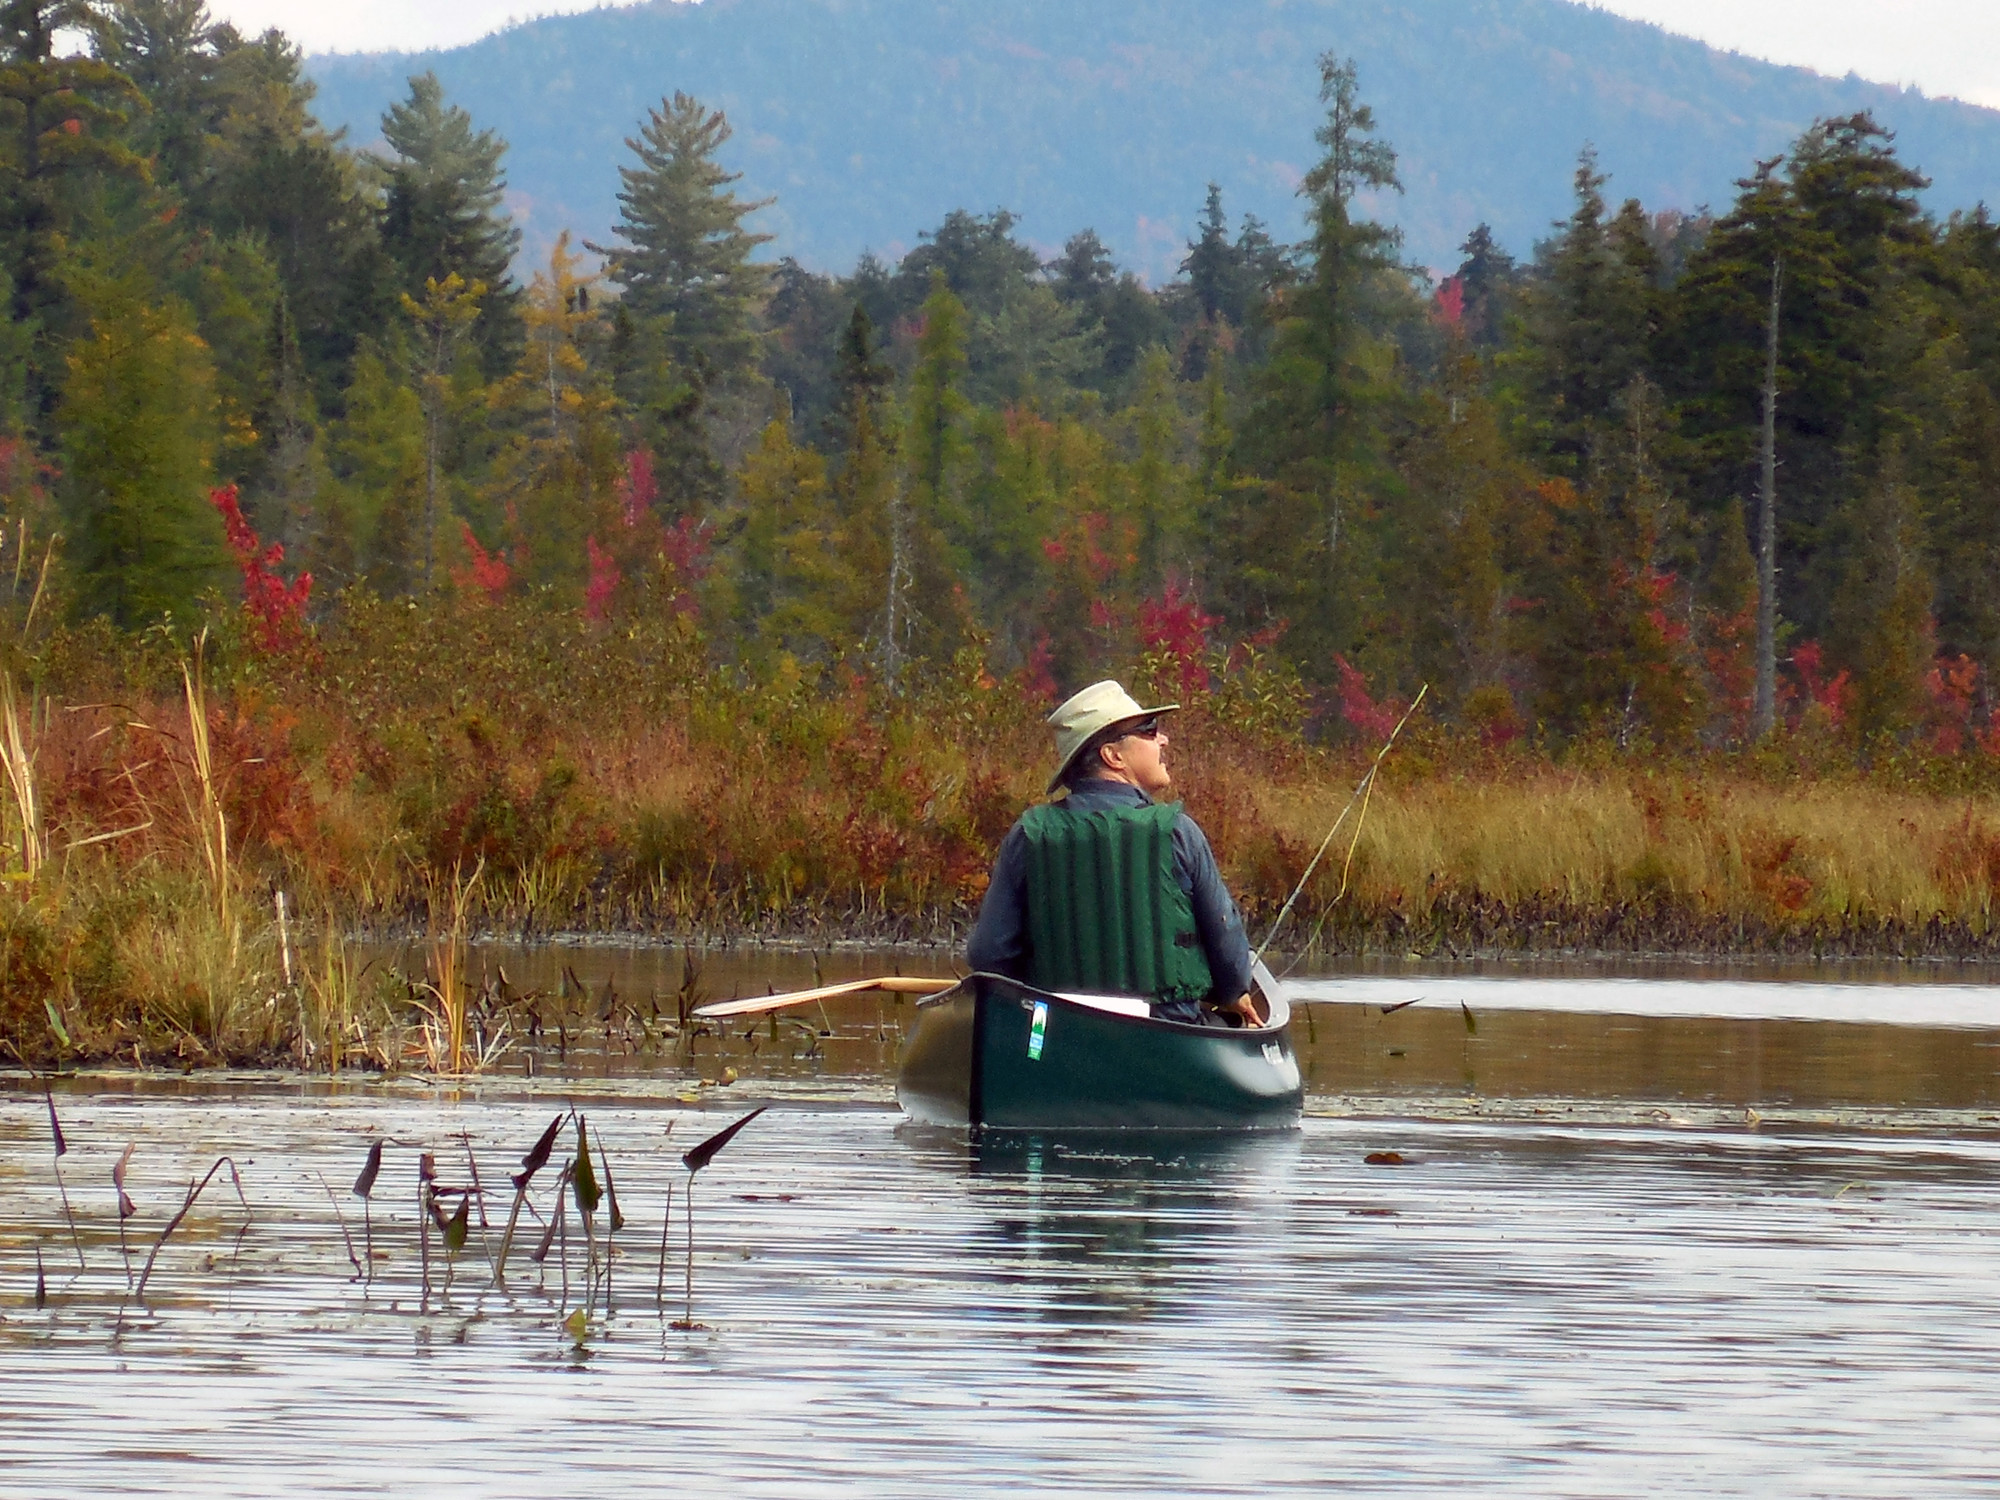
<point>1108,890</point>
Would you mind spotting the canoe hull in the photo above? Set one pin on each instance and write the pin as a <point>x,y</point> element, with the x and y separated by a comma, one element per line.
<point>975,1060</point>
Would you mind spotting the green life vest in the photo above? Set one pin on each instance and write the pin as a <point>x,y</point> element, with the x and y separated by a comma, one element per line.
<point>1105,913</point>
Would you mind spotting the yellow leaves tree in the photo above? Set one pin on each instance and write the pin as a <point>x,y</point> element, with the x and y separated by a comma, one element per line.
<point>559,475</point>
<point>440,321</point>
<point>794,589</point>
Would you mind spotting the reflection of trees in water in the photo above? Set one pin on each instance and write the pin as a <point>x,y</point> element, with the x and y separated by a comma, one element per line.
<point>1091,1231</point>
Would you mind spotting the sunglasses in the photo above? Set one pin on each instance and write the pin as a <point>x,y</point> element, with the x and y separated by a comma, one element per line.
<point>1150,730</point>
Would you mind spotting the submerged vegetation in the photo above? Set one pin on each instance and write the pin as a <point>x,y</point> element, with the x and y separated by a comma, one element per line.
<point>453,1215</point>
<point>351,585</point>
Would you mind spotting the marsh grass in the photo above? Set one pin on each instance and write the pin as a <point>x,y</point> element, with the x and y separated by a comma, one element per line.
<point>595,780</point>
<point>446,1039</point>
<point>18,744</point>
<point>1705,858</point>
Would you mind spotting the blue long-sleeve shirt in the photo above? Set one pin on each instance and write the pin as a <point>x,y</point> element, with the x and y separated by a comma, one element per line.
<point>999,942</point>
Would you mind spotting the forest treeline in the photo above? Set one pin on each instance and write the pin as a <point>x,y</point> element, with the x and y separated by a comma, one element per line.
<point>238,350</point>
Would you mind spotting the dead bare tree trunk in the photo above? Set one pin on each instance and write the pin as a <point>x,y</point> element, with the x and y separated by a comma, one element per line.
<point>1765,713</point>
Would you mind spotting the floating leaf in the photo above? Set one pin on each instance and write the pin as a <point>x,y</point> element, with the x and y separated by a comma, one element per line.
<point>454,1230</point>
<point>1471,1026</point>
<point>538,1155</point>
<point>55,1125</point>
<point>582,1179</point>
<point>365,1183</point>
<point>700,1156</point>
<point>126,1207</point>
<point>577,1324</point>
<point>1384,1158</point>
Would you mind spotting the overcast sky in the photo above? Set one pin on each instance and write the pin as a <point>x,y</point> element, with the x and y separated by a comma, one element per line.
<point>1943,46</point>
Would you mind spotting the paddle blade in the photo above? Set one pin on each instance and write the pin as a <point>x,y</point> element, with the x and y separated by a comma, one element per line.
<point>895,984</point>
<point>700,1156</point>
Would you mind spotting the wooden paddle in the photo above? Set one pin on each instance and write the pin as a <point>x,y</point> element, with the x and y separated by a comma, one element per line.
<point>758,1004</point>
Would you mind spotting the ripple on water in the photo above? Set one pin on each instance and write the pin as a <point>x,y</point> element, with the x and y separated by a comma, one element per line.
<point>1517,1308</point>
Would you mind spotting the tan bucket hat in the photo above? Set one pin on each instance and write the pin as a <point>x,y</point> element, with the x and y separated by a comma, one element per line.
<point>1097,707</point>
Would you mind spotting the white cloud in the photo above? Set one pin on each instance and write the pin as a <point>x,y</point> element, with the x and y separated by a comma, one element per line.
<point>1942,46</point>
<point>385,25</point>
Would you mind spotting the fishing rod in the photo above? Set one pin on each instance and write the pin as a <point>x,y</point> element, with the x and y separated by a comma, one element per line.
<point>1363,789</point>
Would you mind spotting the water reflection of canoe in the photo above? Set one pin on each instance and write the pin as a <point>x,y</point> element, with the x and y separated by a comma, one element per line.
<point>997,1053</point>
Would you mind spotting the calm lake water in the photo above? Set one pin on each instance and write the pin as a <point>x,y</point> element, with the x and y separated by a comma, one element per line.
<point>1666,1236</point>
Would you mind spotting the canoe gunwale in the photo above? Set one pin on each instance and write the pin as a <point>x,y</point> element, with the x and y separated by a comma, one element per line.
<point>1277,1008</point>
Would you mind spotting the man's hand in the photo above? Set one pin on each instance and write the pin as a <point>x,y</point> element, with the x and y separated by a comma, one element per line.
<point>1245,1005</point>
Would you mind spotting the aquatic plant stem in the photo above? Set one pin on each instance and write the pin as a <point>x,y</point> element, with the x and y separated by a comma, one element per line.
<point>63,1191</point>
<point>424,1240</point>
<point>194,1191</point>
<point>479,1196</point>
<point>660,1281</point>
<point>507,1238</point>
<point>341,1219</point>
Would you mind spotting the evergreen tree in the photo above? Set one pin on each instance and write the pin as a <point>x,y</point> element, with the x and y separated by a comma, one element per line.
<point>377,454</point>
<point>1489,281</point>
<point>1962,498</point>
<point>1838,220</point>
<point>1315,434</point>
<point>804,319</point>
<point>443,212</point>
<point>685,264</point>
<point>866,495</point>
<point>1589,320</point>
<point>290,485</point>
<point>64,122</point>
<point>922,612</point>
<point>938,407</point>
<point>1132,323</point>
<point>302,195</point>
<point>789,565</point>
<point>983,265</point>
<point>170,49</point>
<point>138,425</point>
<point>1880,624</point>
<point>1212,266</point>
<point>447,313</point>
<point>861,384</point>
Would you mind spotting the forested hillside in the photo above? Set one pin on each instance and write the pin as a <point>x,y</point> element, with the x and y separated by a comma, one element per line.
<point>649,581</point>
<point>869,119</point>
<point>1528,486</point>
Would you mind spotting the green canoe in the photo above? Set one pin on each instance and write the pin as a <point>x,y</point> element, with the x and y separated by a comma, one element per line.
<point>995,1053</point>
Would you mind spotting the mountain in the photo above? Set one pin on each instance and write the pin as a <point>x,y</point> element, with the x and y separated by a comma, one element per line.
<point>868,120</point>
